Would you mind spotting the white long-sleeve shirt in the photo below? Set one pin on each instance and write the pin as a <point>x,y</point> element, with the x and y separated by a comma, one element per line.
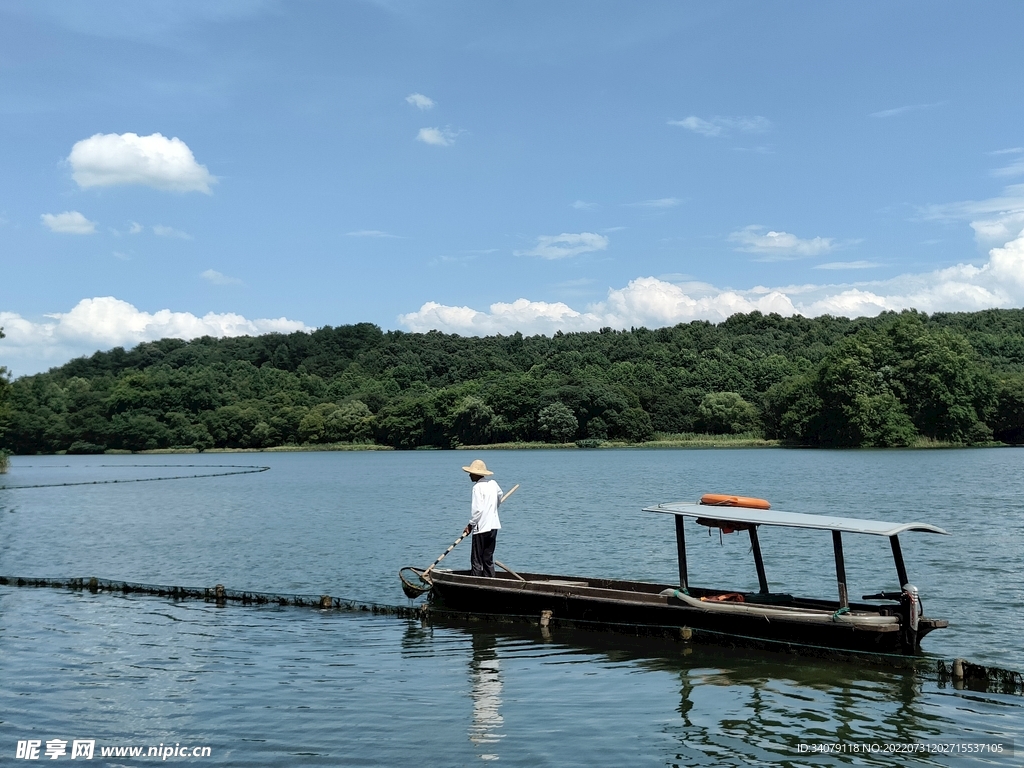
<point>486,497</point>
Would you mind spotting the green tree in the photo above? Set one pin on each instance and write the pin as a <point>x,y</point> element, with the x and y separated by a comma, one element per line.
<point>634,424</point>
<point>231,426</point>
<point>350,422</point>
<point>557,423</point>
<point>849,400</point>
<point>140,432</point>
<point>5,398</point>
<point>312,427</point>
<point>945,390</point>
<point>5,411</point>
<point>597,429</point>
<point>473,422</point>
<point>408,422</point>
<point>823,381</point>
<point>1008,420</point>
<point>726,412</point>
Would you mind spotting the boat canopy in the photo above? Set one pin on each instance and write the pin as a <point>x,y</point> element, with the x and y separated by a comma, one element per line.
<point>790,519</point>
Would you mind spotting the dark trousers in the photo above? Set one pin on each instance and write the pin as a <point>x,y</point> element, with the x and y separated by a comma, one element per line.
<point>482,559</point>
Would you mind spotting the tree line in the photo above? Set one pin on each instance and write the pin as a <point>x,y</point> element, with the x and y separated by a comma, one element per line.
<point>892,380</point>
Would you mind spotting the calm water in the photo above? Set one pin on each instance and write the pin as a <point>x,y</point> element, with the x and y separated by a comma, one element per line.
<point>288,686</point>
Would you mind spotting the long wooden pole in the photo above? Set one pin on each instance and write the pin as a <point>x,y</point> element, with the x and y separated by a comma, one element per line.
<point>504,498</point>
<point>464,535</point>
<point>444,554</point>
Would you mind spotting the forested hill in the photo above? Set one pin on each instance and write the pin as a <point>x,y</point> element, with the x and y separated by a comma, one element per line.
<point>890,380</point>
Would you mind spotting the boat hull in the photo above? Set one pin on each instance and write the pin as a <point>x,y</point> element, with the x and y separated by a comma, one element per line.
<point>640,607</point>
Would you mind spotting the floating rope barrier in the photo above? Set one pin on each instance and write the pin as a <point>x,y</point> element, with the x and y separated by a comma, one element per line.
<point>217,594</point>
<point>237,469</point>
<point>960,673</point>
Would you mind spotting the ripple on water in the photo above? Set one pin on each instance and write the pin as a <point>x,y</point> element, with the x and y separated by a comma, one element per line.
<point>286,686</point>
<point>277,686</point>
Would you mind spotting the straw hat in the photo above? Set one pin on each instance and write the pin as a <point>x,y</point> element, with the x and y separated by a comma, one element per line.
<point>478,468</point>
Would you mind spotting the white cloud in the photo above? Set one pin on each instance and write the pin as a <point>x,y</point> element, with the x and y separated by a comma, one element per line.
<point>721,126</point>
<point>661,202</point>
<point>420,101</point>
<point>645,301</point>
<point>218,278</point>
<point>579,205</point>
<point>68,223</point>
<point>654,302</point>
<point>908,108</point>
<point>161,231</point>
<point>438,137</point>
<point>526,316</point>
<point>995,220</point>
<point>776,246</point>
<point>848,265</point>
<point>106,160</point>
<point>369,233</point>
<point>106,322</point>
<point>1016,168</point>
<point>135,228</point>
<point>564,245</point>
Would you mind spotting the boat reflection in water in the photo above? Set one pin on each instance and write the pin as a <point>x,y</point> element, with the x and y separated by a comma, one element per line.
<point>486,686</point>
<point>677,703</point>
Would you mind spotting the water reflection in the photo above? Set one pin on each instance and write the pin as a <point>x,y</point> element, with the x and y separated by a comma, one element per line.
<point>485,689</point>
<point>736,707</point>
<point>737,710</point>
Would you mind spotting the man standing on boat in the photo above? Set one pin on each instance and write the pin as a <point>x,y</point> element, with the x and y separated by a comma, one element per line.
<point>483,522</point>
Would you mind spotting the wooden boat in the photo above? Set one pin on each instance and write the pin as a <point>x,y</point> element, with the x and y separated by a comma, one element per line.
<point>885,623</point>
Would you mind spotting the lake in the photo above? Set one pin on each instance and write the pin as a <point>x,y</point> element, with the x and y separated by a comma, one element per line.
<point>287,686</point>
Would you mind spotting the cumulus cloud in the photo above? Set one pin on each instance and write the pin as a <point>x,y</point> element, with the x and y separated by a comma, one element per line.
<point>218,278</point>
<point>995,220</point>
<point>522,314</point>
<point>161,231</point>
<point>68,223</point>
<point>722,126</point>
<point>438,137</point>
<point>105,322</point>
<point>111,159</point>
<point>564,245</point>
<point>134,228</point>
<point>654,302</point>
<point>777,246</point>
<point>420,101</point>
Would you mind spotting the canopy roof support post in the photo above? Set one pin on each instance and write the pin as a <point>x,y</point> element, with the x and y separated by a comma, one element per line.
<point>758,562</point>
<point>897,555</point>
<point>837,545</point>
<point>681,550</point>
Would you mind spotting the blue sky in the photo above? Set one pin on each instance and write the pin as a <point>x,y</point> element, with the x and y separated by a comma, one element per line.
<point>175,169</point>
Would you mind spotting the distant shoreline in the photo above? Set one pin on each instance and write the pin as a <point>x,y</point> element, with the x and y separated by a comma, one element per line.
<point>668,442</point>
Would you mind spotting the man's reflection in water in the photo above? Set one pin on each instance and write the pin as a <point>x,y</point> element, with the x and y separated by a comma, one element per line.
<point>485,679</point>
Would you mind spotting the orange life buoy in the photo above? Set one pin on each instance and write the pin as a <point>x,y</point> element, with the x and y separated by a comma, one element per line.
<point>724,500</point>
